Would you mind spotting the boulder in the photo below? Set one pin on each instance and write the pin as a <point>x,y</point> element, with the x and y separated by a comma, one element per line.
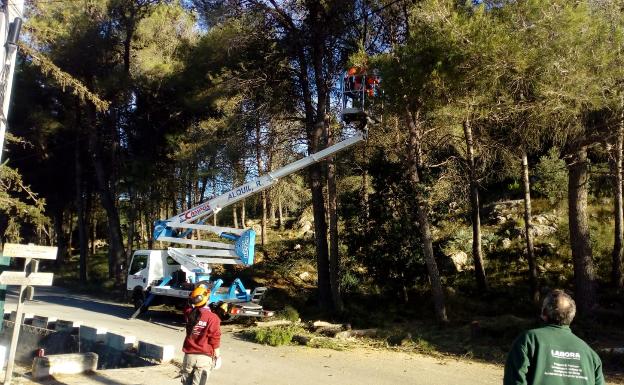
<point>460,260</point>
<point>537,230</point>
<point>305,227</point>
<point>542,230</point>
<point>545,219</point>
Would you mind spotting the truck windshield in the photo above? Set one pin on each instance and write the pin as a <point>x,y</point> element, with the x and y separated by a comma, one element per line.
<point>138,263</point>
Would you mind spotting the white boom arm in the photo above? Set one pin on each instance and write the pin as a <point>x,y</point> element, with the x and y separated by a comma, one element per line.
<point>242,250</point>
<point>185,219</point>
<point>261,183</point>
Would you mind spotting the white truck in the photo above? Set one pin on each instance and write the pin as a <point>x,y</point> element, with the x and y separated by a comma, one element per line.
<point>168,276</point>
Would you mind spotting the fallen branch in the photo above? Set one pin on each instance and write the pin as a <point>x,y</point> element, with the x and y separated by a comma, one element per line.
<point>268,324</point>
<point>356,333</point>
<point>301,339</point>
<point>327,325</point>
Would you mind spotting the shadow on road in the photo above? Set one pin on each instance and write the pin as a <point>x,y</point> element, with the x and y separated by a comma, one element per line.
<point>63,297</point>
<point>87,304</point>
<point>93,378</point>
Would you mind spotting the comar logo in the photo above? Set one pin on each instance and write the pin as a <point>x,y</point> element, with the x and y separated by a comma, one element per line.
<point>565,355</point>
<point>239,191</point>
<point>195,212</point>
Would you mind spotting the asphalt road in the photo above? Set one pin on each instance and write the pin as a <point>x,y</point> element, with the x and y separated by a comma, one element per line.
<point>250,363</point>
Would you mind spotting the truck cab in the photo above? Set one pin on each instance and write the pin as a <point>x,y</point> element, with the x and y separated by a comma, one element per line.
<point>148,268</point>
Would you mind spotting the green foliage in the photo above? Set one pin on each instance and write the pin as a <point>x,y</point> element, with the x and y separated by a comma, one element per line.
<point>288,313</point>
<point>20,205</point>
<point>461,240</point>
<point>551,177</point>
<point>388,246</point>
<point>274,336</point>
<point>326,343</point>
<point>160,39</point>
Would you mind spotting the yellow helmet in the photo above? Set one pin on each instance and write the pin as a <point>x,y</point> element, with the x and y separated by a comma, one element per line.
<point>199,296</point>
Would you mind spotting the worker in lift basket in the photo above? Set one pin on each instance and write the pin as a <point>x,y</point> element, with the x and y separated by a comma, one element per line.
<point>203,338</point>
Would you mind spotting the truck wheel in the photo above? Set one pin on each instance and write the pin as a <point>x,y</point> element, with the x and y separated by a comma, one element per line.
<point>224,316</point>
<point>228,318</point>
<point>138,299</point>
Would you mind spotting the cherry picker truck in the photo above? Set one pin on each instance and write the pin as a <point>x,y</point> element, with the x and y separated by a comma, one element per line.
<point>168,276</point>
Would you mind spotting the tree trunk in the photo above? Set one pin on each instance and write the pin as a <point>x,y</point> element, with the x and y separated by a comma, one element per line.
<point>115,244</point>
<point>235,215</point>
<point>422,217</point>
<point>91,219</point>
<point>312,61</point>
<point>364,190</point>
<point>148,224</point>
<point>616,268</point>
<point>334,256</point>
<point>70,236</point>
<point>261,170</point>
<point>132,215</point>
<point>477,254</point>
<point>280,210</point>
<point>320,237</point>
<point>243,214</point>
<point>83,240</point>
<point>582,258</point>
<point>527,228</point>
<point>270,208</point>
<point>61,239</point>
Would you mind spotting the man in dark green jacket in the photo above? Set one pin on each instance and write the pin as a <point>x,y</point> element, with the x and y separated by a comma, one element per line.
<point>552,354</point>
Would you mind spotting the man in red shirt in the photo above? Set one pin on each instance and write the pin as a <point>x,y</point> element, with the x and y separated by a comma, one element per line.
<point>203,338</point>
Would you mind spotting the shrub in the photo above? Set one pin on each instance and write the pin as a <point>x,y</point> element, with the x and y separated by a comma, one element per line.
<point>289,313</point>
<point>552,177</point>
<point>274,336</point>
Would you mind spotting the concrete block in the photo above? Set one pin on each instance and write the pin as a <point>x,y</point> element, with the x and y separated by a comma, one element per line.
<point>119,342</point>
<point>157,352</point>
<point>43,322</point>
<point>32,338</point>
<point>94,334</point>
<point>90,338</point>
<point>27,317</point>
<point>46,366</point>
<point>66,326</point>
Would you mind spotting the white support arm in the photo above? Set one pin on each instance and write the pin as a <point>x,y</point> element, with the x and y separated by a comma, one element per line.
<point>214,229</point>
<point>205,256</point>
<point>187,261</point>
<point>195,242</point>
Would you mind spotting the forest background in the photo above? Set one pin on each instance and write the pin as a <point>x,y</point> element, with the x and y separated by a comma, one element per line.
<point>492,173</point>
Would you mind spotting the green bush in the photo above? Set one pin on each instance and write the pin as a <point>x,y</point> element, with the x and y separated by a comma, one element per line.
<point>552,177</point>
<point>289,313</point>
<point>461,240</point>
<point>274,336</point>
